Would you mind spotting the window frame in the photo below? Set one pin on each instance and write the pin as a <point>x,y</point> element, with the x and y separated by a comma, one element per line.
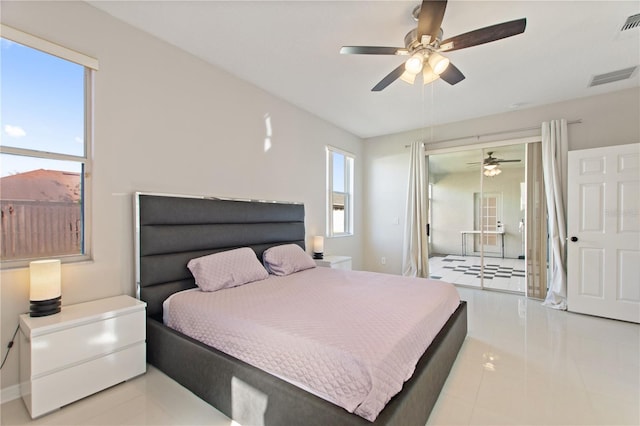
<point>349,166</point>
<point>90,66</point>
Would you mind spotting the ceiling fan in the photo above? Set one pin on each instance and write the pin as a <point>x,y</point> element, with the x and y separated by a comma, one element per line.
<point>424,44</point>
<point>493,161</point>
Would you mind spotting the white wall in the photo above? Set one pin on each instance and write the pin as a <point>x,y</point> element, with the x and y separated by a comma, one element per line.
<point>452,209</point>
<point>610,119</point>
<point>168,122</point>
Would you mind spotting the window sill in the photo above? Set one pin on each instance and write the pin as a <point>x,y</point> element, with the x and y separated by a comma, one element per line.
<point>24,263</point>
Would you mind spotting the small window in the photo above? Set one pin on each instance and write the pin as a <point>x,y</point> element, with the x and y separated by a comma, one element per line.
<point>339,192</point>
<point>44,160</point>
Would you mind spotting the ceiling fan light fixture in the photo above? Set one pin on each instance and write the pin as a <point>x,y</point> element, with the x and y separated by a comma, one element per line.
<point>438,62</point>
<point>428,76</point>
<point>490,166</point>
<point>408,77</point>
<point>492,172</point>
<point>414,64</point>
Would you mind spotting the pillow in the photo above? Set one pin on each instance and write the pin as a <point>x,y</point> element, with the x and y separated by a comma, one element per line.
<point>227,269</point>
<point>287,259</point>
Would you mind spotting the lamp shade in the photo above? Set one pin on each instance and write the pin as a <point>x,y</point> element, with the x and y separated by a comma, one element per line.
<point>44,287</point>
<point>408,77</point>
<point>318,244</point>
<point>438,62</point>
<point>318,247</point>
<point>428,76</point>
<point>413,65</point>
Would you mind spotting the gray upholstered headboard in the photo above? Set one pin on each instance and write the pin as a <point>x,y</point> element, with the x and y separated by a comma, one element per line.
<point>171,230</point>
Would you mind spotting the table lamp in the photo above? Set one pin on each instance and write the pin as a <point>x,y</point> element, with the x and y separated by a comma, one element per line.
<point>45,292</point>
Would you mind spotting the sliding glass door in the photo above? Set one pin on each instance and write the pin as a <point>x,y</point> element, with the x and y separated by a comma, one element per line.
<point>478,205</point>
<point>535,225</point>
<point>503,177</point>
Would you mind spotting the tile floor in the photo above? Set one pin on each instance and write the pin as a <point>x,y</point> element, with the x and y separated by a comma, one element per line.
<point>499,274</point>
<point>521,364</point>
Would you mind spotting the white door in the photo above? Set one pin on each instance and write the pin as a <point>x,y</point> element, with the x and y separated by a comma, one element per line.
<point>488,212</point>
<point>603,227</point>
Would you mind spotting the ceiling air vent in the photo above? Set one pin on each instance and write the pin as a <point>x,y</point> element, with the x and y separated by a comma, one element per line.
<point>632,22</point>
<point>612,76</point>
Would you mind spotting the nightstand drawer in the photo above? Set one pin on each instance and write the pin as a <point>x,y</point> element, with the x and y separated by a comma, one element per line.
<point>54,390</point>
<point>67,347</point>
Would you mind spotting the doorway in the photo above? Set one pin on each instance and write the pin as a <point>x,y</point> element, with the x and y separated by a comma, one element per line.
<point>487,213</point>
<point>477,210</point>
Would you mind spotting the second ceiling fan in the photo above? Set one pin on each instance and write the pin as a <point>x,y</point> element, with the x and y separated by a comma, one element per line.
<point>493,161</point>
<point>424,44</point>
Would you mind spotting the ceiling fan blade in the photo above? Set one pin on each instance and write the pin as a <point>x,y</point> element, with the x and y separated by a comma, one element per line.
<point>430,18</point>
<point>507,161</point>
<point>373,50</point>
<point>390,78</point>
<point>484,35</point>
<point>452,75</point>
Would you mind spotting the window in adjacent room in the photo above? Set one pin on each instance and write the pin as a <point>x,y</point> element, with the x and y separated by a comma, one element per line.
<point>45,101</point>
<point>339,192</point>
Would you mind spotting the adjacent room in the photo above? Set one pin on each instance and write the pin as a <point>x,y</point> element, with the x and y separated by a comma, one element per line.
<point>489,193</point>
<point>320,212</point>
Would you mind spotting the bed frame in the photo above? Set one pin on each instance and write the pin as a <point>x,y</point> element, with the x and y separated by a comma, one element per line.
<point>171,230</point>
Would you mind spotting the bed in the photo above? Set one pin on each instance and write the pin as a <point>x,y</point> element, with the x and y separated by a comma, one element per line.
<point>170,231</point>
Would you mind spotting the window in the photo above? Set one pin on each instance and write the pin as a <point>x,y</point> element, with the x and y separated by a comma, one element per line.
<point>339,192</point>
<point>45,99</point>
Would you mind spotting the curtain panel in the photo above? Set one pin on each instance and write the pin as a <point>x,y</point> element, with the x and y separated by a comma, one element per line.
<point>415,258</point>
<point>554,165</point>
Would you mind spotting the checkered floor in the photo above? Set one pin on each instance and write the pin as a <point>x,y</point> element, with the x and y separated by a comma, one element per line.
<point>500,274</point>
<point>490,270</point>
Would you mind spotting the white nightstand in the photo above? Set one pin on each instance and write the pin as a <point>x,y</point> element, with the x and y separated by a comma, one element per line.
<point>335,262</point>
<point>83,349</point>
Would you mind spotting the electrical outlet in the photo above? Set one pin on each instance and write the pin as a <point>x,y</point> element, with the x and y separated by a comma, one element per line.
<point>383,260</point>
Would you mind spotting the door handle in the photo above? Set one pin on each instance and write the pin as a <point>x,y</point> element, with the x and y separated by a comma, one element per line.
<point>574,239</point>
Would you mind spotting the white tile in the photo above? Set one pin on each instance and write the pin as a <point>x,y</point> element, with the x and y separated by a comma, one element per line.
<point>451,411</point>
<point>150,399</point>
<point>464,279</point>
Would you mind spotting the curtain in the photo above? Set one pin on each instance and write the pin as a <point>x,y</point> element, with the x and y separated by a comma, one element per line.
<point>415,256</point>
<point>554,165</point>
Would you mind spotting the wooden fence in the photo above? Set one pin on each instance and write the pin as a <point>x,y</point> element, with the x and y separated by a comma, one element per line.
<point>40,229</point>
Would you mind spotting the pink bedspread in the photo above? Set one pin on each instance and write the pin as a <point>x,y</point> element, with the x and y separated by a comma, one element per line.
<point>350,337</point>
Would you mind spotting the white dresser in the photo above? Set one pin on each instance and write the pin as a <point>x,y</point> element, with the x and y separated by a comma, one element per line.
<point>335,262</point>
<point>83,349</point>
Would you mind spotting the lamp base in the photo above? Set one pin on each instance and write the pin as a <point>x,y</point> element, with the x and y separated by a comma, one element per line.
<point>43,308</point>
<point>318,255</point>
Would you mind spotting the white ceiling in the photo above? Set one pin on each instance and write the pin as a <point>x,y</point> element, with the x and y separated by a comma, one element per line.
<point>291,49</point>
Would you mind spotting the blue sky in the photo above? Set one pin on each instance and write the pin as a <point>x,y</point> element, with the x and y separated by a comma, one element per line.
<point>41,106</point>
<point>338,172</point>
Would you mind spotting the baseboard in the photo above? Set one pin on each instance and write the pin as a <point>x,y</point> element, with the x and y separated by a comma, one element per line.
<point>9,393</point>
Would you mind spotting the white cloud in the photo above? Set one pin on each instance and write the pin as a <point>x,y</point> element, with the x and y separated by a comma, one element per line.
<point>14,131</point>
<point>5,43</point>
<point>78,139</point>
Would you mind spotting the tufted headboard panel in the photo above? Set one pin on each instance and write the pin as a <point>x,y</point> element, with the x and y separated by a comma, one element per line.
<point>173,229</point>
